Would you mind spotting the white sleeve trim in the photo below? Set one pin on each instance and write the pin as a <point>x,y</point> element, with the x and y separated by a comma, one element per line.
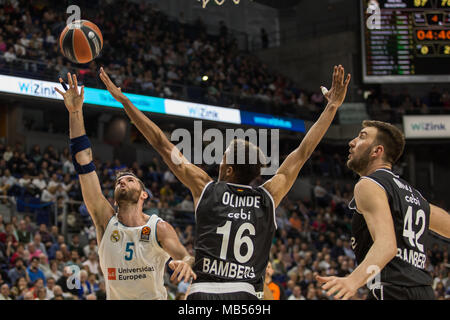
<point>200,199</point>
<point>106,229</point>
<point>273,206</point>
<point>153,224</point>
<point>364,177</point>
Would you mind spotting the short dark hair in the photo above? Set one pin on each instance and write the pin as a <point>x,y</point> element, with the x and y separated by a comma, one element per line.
<point>246,172</point>
<point>390,137</point>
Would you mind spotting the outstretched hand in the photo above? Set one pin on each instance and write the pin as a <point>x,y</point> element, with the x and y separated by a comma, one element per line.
<point>72,98</point>
<point>338,91</point>
<point>115,91</point>
<point>341,288</point>
<point>181,270</point>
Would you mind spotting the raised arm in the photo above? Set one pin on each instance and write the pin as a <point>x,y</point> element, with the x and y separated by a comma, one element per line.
<point>439,221</point>
<point>190,175</point>
<point>282,181</point>
<point>99,208</point>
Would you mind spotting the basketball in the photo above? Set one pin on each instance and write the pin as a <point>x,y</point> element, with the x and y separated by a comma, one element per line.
<point>81,41</point>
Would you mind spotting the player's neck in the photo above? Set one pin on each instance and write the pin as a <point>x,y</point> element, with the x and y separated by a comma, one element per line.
<point>131,215</point>
<point>371,168</point>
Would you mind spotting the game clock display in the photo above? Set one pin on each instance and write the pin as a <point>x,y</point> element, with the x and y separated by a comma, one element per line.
<point>405,40</point>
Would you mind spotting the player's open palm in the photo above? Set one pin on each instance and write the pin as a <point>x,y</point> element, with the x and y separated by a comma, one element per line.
<point>338,91</point>
<point>181,270</point>
<point>110,86</point>
<point>73,99</point>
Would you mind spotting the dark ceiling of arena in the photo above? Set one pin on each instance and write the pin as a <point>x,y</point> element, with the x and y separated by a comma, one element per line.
<point>279,4</point>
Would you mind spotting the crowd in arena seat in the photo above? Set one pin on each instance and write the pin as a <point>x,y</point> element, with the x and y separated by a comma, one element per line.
<point>36,259</point>
<point>147,52</point>
<point>391,107</point>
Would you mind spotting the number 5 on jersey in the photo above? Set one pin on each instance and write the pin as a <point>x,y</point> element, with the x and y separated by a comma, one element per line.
<point>129,251</point>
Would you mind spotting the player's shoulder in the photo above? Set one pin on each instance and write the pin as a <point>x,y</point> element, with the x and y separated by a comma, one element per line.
<point>366,187</point>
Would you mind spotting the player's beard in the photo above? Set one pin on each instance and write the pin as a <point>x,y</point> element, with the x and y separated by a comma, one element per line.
<point>359,163</point>
<point>126,195</point>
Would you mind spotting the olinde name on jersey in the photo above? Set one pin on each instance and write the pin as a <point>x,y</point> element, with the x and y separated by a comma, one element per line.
<point>132,261</point>
<point>411,216</point>
<point>235,225</point>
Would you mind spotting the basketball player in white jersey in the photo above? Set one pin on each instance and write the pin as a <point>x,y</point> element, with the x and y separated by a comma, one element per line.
<point>133,247</point>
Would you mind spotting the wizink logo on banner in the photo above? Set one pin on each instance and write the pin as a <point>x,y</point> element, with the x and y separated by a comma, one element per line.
<point>37,88</point>
<point>213,152</point>
<point>428,126</point>
<point>203,113</point>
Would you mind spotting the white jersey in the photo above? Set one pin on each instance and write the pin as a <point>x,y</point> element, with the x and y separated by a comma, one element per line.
<point>132,261</point>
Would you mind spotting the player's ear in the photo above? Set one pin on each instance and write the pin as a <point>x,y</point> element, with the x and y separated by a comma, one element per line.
<point>379,149</point>
<point>229,171</point>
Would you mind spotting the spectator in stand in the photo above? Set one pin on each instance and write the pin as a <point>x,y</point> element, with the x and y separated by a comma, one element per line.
<point>45,235</point>
<point>9,232</point>
<point>40,183</point>
<point>23,235</point>
<point>44,266</point>
<point>20,253</point>
<point>63,281</point>
<point>4,292</point>
<point>76,245</point>
<point>7,181</point>
<point>18,271</point>
<point>276,289</point>
<point>320,193</point>
<point>296,294</point>
<point>58,293</point>
<point>92,263</point>
<point>92,279</point>
<point>34,272</point>
<point>41,294</point>
<point>101,292</point>
<point>33,251</point>
<point>85,286</point>
<point>55,246</point>
<point>38,243</point>
<point>20,288</point>
<point>54,233</point>
<point>295,223</point>
<point>54,272</point>
<point>90,247</point>
<point>186,204</point>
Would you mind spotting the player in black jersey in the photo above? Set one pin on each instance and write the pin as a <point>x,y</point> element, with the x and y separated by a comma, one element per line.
<point>390,222</point>
<point>235,223</point>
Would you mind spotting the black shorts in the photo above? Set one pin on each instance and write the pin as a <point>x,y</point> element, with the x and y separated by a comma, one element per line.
<point>221,296</point>
<point>393,292</point>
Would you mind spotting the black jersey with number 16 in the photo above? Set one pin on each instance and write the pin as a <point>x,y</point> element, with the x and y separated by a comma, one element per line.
<point>235,225</point>
<point>411,216</point>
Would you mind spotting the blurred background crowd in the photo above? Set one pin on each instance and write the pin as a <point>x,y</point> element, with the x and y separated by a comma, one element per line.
<point>148,52</point>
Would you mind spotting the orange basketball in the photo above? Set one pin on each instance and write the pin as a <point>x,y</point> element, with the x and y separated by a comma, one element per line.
<point>81,41</point>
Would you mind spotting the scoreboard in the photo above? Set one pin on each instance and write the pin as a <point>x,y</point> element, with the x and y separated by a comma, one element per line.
<point>405,41</point>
